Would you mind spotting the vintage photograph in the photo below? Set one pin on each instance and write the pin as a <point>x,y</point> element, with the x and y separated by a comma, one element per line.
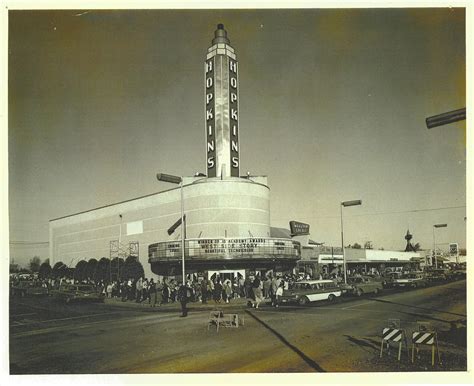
<point>222,191</point>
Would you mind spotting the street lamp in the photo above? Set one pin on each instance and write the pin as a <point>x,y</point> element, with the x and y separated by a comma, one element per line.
<point>346,203</point>
<point>445,118</point>
<point>434,242</point>
<point>177,180</point>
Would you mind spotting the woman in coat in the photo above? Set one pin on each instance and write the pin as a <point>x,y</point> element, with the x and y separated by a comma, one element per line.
<point>159,293</point>
<point>217,294</point>
<point>258,292</point>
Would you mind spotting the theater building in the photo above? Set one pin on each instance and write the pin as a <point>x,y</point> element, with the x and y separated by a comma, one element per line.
<point>227,224</point>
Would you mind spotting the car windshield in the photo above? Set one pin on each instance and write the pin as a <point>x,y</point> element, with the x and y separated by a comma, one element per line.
<point>302,286</point>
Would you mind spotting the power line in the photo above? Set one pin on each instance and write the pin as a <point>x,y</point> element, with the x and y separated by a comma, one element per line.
<point>28,242</point>
<point>381,213</point>
<point>411,211</point>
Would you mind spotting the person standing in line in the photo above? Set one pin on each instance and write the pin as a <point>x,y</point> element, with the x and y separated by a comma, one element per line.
<point>210,288</point>
<point>273,289</point>
<point>152,293</point>
<point>228,291</point>
<point>258,292</point>
<point>172,288</point>
<point>267,286</point>
<point>184,294</point>
<point>217,291</point>
<point>109,290</point>
<point>248,287</point>
<point>241,286</point>
<point>279,294</point>
<point>130,289</point>
<point>166,291</point>
<point>159,293</point>
<point>204,291</point>
<point>235,288</point>
<point>145,290</point>
<point>139,289</point>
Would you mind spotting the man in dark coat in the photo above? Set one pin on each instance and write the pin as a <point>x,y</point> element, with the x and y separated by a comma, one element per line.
<point>184,294</point>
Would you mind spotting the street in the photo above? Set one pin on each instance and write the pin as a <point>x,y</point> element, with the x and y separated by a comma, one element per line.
<point>47,337</point>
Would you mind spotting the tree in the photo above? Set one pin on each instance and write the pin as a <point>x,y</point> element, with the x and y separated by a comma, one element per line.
<point>356,246</point>
<point>368,245</point>
<point>132,268</point>
<point>103,270</point>
<point>14,267</point>
<point>34,264</point>
<point>416,247</point>
<point>59,269</point>
<point>117,265</point>
<point>45,270</point>
<point>91,268</point>
<point>80,271</point>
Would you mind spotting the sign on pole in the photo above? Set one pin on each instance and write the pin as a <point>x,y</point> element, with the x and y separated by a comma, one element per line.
<point>453,249</point>
<point>299,228</point>
<point>175,225</point>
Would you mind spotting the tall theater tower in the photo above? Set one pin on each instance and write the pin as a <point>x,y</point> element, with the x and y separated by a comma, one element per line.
<point>222,110</point>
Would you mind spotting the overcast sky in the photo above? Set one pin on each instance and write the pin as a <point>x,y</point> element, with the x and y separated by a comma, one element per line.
<point>332,108</point>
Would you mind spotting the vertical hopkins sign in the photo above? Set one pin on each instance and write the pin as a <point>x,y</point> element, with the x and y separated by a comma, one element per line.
<point>210,121</point>
<point>222,112</point>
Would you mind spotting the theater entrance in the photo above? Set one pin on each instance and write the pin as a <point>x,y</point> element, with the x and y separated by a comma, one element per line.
<point>226,274</point>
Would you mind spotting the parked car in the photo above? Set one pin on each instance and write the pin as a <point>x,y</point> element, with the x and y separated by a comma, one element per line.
<point>411,279</point>
<point>389,277</point>
<point>459,273</point>
<point>28,288</point>
<point>306,291</point>
<point>362,284</point>
<point>436,275</point>
<point>78,292</point>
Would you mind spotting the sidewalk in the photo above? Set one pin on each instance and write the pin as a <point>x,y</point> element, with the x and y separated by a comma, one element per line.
<point>211,304</point>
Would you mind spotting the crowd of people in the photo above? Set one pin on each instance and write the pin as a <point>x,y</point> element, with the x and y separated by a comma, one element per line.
<point>155,292</point>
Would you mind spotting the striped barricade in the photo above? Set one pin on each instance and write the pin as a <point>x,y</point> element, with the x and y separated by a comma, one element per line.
<point>423,337</point>
<point>396,335</point>
<point>429,338</point>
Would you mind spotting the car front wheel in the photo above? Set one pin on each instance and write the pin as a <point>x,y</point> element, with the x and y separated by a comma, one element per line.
<point>303,301</point>
<point>331,298</point>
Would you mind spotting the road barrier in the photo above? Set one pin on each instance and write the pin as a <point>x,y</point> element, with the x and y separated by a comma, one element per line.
<point>425,336</point>
<point>218,318</point>
<point>393,333</point>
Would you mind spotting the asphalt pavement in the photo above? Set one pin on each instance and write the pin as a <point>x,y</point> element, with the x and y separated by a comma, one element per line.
<point>49,337</point>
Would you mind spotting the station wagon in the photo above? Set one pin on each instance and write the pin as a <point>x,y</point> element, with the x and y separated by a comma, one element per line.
<point>306,291</point>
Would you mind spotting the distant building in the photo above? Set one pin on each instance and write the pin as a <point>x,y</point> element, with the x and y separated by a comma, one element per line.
<point>316,259</point>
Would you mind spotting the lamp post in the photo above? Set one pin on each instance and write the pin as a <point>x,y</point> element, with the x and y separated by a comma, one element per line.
<point>177,180</point>
<point>434,242</point>
<point>346,203</point>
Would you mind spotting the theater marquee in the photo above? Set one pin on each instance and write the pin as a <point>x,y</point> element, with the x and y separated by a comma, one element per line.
<point>230,248</point>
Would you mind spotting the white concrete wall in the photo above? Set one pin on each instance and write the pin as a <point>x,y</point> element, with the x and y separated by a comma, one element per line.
<point>355,255</point>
